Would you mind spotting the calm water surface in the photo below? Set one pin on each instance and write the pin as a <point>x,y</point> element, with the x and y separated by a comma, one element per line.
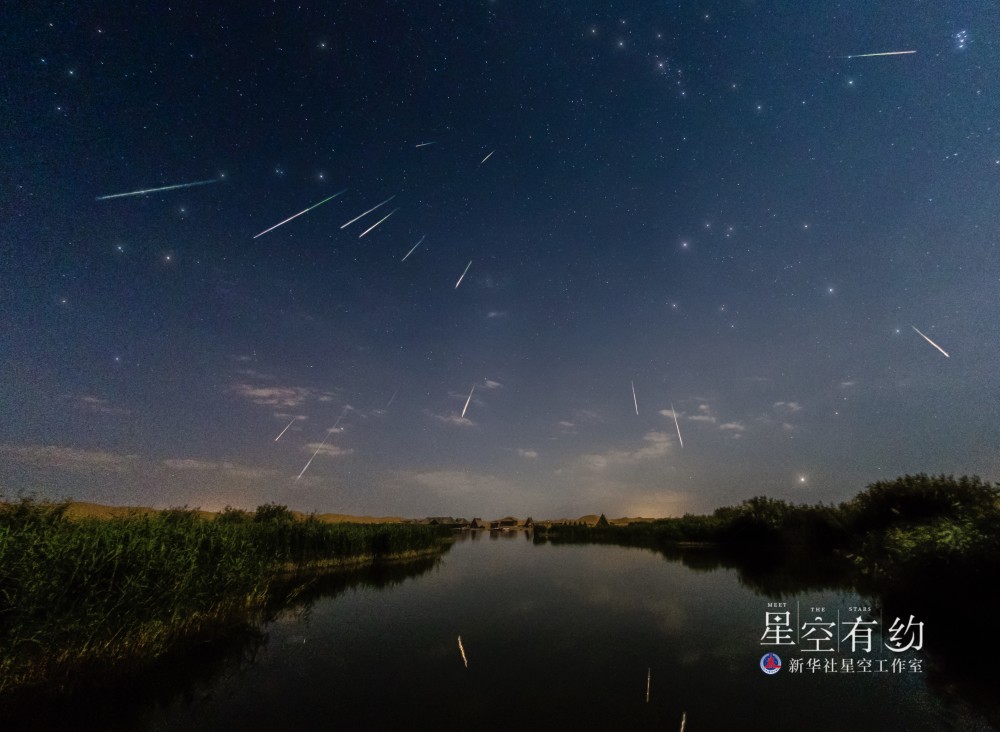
<point>556,637</point>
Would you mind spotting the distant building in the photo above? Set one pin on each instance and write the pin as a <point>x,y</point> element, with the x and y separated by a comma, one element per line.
<point>476,523</point>
<point>439,521</point>
<point>505,523</point>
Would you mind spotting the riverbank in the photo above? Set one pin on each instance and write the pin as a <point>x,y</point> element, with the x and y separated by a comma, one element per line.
<point>89,593</point>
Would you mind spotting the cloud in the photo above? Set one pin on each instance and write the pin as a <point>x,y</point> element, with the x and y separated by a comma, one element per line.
<point>251,373</point>
<point>527,453</point>
<point>496,314</point>
<point>329,450</point>
<point>225,468</point>
<point>188,464</point>
<point>452,419</point>
<point>69,458</point>
<point>787,407</point>
<point>658,444</point>
<point>490,384</point>
<point>282,396</point>
<point>702,418</point>
<point>847,384</point>
<point>733,426</point>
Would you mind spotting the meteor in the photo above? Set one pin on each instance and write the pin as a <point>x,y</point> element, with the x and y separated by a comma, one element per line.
<point>367,212</point>
<point>157,190</point>
<point>462,650</point>
<point>886,53</point>
<point>378,222</point>
<point>487,157</point>
<point>414,248</point>
<point>463,274</point>
<point>932,342</point>
<point>300,213</point>
<point>425,144</point>
<point>286,429</point>
<point>328,433</point>
<point>676,424</point>
<point>467,401</point>
<point>634,400</point>
<point>392,398</point>
<point>649,678</point>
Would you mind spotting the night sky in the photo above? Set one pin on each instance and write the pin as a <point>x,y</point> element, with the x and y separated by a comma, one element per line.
<point>708,200</point>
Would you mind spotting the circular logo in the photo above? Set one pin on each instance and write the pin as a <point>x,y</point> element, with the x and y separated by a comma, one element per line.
<point>770,663</point>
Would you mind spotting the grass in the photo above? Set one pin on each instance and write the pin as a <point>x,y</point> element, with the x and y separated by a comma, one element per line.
<point>91,592</point>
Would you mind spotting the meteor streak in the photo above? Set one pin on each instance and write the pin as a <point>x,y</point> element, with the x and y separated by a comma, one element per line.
<point>932,342</point>
<point>300,213</point>
<point>157,190</point>
<point>414,248</point>
<point>425,144</point>
<point>676,424</point>
<point>462,650</point>
<point>286,429</point>
<point>463,274</point>
<point>367,212</point>
<point>378,222</point>
<point>649,678</point>
<point>328,433</point>
<point>487,157</point>
<point>467,401</point>
<point>392,398</point>
<point>634,400</point>
<point>886,53</point>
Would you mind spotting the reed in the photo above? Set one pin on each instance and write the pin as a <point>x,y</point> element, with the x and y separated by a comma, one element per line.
<point>85,592</point>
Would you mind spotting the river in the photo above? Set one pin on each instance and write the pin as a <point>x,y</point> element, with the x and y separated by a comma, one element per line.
<point>555,637</point>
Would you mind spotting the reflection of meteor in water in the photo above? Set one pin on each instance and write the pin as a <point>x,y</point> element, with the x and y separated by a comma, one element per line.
<point>285,430</point>
<point>378,222</point>
<point>157,190</point>
<point>463,274</point>
<point>676,424</point>
<point>300,213</point>
<point>462,650</point>
<point>468,400</point>
<point>367,212</point>
<point>425,144</point>
<point>634,400</point>
<point>328,433</point>
<point>885,53</point>
<point>487,157</point>
<point>684,719</point>
<point>414,248</point>
<point>932,342</point>
<point>649,678</point>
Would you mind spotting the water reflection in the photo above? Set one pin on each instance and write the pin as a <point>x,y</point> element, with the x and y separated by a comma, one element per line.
<point>128,698</point>
<point>555,637</point>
